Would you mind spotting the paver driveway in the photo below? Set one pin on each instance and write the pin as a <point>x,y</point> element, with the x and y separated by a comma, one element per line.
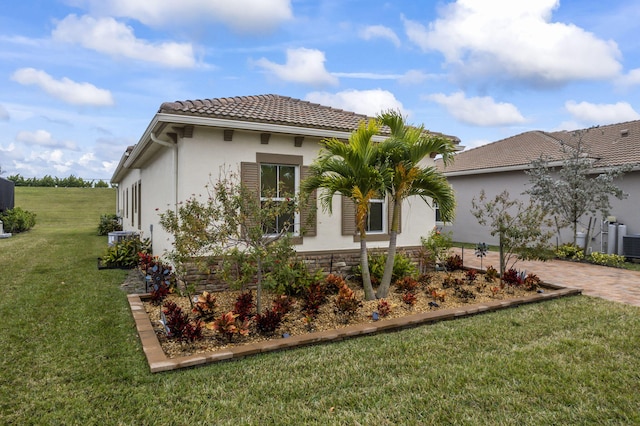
<point>619,285</point>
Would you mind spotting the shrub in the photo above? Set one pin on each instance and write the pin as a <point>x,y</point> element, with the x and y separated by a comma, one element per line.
<point>283,304</point>
<point>406,284</point>
<point>471,275</point>
<point>313,298</point>
<point>614,260</point>
<point>346,303</point>
<point>464,294</point>
<point>409,298</point>
<point>435,247</point>
<point>17,220</point>
<point>179,325</point>
<point>384,308</point>
<point>402,267</point>
<point>244,305</point>
<point>450,282</point>
<point>268,321</point>
<point>570,251</point>
<point>453,263</point>
<point>109,222</point>
<point>532,282</point>
<point>291,278</point>
<point>438,295</point>
<point>205,306</point>
<point>513,277</point>
<point>491,274</point>
<point>124,253</point>
<point>333,283</point>
<point>229,325</point>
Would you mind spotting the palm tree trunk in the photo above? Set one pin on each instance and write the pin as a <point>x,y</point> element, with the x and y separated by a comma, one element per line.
<point>364,265</point>
<point>385,284</point>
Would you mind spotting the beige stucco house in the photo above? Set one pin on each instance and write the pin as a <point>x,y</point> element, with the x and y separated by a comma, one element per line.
<point>186,143</point>
<point>501,165</point>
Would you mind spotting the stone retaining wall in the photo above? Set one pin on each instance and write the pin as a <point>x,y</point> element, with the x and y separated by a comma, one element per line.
<point>337,262</point>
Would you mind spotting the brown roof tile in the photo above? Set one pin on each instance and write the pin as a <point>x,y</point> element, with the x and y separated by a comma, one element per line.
<point>610,145</point>
<point>274,109</point>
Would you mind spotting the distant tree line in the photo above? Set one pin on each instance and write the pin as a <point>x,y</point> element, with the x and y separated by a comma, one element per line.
<point>68,182</point>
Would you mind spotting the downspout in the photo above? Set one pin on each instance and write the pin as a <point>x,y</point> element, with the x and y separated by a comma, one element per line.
<point>174,146</point>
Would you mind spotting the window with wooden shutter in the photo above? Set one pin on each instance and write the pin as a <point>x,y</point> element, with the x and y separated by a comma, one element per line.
<point>276,175</point>
<point>383,215</point>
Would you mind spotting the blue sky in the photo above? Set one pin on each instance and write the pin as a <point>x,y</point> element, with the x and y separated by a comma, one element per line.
<point>81,79</point>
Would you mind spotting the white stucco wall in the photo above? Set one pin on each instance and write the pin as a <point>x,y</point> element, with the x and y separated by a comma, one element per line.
<point>199,161</point>
<point>466,228</point>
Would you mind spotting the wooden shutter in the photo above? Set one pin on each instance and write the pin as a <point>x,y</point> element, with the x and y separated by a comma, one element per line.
<point>308,216</point>
<point>250,179</point>
<point>348,216</point>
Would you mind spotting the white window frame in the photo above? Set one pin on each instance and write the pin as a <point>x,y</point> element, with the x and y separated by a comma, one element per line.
<point>383,202</point>
<point>296,215</point>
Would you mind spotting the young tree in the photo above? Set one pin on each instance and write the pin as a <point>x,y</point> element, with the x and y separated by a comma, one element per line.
<point>575,189</point>
<point>352,170</point>
<point>403,154</point>
<point>232,216</point>
<point>522,229</point>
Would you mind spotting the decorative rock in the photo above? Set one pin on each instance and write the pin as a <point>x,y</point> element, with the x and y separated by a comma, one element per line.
<point>2,233</point>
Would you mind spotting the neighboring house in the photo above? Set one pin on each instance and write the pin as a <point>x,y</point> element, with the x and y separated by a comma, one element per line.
<point>7,194</point>
<point>501,166</point>
<point>187,143</point>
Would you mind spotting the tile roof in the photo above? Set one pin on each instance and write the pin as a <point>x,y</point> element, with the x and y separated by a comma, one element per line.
<point>609,145</point>
<point>273,109</point>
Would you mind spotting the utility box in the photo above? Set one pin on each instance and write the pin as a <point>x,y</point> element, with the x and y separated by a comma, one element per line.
<point>7,194</point>
<point>631,246</point>
<point>118,236</point>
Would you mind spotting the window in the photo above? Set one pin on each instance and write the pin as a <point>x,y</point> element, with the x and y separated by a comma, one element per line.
<point>437,210</point>
<point>376,216</point>
<point>278,184</point>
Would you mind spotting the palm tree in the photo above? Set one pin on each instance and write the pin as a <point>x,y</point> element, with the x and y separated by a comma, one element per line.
<point>353,170</point>
<point>403,152</point>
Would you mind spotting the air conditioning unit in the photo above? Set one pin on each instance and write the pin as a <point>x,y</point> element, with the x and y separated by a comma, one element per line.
<point>118,236</point>
<point>631,246</point>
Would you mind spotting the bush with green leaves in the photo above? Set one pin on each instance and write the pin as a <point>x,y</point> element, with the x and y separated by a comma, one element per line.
<point>403,266</point>
<point>435,248</point>
<point>570,251</point>
<point>604,259</point>
<point>125,253</point>
<point>17,220</point>
<point>109,222</point>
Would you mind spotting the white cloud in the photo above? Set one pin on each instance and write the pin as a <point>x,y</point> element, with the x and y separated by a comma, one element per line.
<point>45,139</point>
<point>303,66</point>
<point>415,77</point>
<point>380,31</point>
<point>587,112</point>
<point>369,102</point>
<point>478,111</point>
<point>632,78</point>
<point>246,16</point>
<point>65,89</point>
<point>4,114</point>
<point>515,40</point>
<point>106,35</point>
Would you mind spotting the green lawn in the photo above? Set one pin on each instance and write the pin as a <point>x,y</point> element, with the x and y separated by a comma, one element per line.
<point>70,353</point>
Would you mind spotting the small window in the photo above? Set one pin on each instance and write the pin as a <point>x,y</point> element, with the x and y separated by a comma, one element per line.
<point>278,184</point>
<point>376,216</point>
<point>437,210</point>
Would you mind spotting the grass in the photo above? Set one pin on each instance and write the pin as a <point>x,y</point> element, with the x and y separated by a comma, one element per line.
<point>70,354</point>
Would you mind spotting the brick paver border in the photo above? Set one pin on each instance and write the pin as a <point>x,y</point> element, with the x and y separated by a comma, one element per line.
<point>158,361</point>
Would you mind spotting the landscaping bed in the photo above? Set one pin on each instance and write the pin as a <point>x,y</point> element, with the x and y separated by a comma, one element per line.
<point>433,302</point>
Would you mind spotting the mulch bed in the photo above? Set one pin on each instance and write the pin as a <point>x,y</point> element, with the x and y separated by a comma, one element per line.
<point>294,322</point>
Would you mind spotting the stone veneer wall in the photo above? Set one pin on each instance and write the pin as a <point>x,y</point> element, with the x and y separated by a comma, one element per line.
<point>337,262</point>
